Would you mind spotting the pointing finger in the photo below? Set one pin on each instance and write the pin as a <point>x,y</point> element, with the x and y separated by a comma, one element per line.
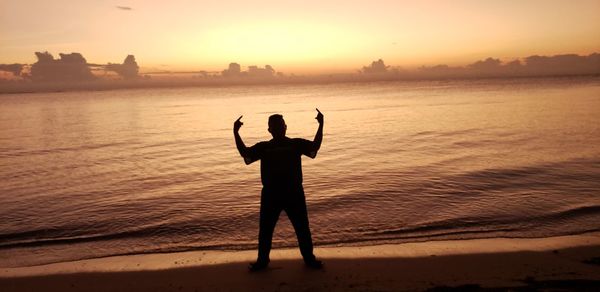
<point>318,110</point>
<point>239,118</point>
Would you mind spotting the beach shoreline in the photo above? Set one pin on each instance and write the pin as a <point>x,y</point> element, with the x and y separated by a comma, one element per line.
<point>570,261</point>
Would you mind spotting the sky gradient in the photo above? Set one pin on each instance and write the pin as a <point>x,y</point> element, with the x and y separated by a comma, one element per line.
<point>297,36</point>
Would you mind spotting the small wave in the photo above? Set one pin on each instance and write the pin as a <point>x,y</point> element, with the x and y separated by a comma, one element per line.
<point>44,236</point>
<point>462,225</point>
<point>62,149</point>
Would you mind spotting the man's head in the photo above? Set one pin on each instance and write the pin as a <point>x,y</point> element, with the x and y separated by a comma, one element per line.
<point>277,126</point>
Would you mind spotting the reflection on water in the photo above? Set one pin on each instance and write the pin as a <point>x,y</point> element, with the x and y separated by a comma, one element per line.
<point>88,174</point>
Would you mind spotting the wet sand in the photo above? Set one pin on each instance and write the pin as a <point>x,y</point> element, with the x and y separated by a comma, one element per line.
<point>571,262</point>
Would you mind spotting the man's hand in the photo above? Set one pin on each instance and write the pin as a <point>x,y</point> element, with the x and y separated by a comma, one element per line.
<point>237,124</point>
<point>319,117</point>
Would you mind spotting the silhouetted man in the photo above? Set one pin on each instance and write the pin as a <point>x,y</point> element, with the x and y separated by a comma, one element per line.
<point>281,176</point>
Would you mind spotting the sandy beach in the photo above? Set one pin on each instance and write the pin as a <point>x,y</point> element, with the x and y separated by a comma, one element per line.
<point>571,262</point>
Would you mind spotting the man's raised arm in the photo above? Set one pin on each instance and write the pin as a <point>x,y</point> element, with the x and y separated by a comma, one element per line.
<point>319,135</point>
<point>241,147</point>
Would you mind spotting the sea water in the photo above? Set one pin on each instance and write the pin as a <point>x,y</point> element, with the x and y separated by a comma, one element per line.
<point>93,174</point>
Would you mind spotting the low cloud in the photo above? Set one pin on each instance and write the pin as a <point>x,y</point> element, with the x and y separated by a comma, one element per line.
<point>124,7</point>
<point>375,67</point>
<point>15,69</point>
<point>235,70</point>
<point>68,68</point>
<point>128,70</point>
<point>557,65</point>
<point>255,71</point>
<point>567,64</point>
<point>73,71</point>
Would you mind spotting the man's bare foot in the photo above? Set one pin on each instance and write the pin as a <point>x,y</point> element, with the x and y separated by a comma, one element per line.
<point>258,266</point>
<point>314,264</point>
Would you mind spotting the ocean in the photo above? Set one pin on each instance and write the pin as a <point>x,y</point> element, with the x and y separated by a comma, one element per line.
<point>95,174</point>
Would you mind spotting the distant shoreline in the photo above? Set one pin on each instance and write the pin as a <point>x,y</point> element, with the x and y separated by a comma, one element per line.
<point>22,87</point>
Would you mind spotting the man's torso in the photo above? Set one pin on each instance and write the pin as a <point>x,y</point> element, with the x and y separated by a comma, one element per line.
<point>281,163</point>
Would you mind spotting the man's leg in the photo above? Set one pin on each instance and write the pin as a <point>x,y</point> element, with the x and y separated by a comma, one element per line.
<point>269,214</point>
<point>296,211</point>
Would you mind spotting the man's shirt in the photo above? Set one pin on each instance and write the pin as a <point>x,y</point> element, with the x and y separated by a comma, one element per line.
<point>280,161</point>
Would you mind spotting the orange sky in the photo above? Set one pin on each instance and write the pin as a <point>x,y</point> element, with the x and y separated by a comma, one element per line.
<point>297,36</point>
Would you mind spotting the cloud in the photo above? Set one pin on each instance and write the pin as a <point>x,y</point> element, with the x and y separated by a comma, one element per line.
<point>557,65</point>
<point>235,70</point>
<point>128,70</point>
<point>73,68</point>
<point>487,64</point>
<point>375,67</point>
<point>255,71</point>
<point>563,64</point>
<point>15,69</point>
<point>124,7</point>
<point>69,68</point>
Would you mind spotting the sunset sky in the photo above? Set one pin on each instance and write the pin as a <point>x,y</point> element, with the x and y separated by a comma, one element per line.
<point>297,36</point>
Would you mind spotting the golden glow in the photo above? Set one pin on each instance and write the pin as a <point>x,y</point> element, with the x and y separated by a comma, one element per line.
<point>302,36</point>
<point>265,43</point>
